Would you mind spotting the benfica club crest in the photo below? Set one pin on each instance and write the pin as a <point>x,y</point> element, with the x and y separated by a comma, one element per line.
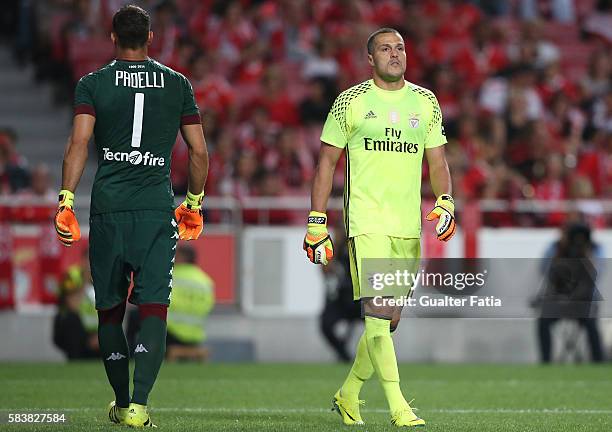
<point>413,120</point>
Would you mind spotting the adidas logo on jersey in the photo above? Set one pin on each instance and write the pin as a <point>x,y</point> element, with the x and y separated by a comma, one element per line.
<point>140,349</point>
<point>370,115</point>
<point>115,356</point>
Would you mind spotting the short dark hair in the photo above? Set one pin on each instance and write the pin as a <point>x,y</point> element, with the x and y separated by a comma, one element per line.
<point>187,254</point>
<point>131,25</point>
<point>372,37</point>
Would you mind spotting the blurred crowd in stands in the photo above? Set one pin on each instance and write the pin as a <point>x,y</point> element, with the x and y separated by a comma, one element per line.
<point>524,85</point>
<point>16,177</point>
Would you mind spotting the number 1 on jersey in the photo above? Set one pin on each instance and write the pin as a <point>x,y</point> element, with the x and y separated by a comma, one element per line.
<point>137,125</point>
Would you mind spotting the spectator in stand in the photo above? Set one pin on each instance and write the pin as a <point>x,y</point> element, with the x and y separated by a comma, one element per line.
<point>484,56</point>
<point>596,82</point>
<point>220,166</point>
<point>594,161</point>
<point>606,170</point>
<point>14,175</point>
<point>182,57</point>
<point>581,187</point>
<point>167,32</point>
<point>258,132</point>
<point>445,86</point>
<point>40,185</point>
<point>503,183</point>
<point>602,113</point>
<point>323,62</point>
<point>514,95</point>
<point>425,50</point>
<point>229,33</point>
<point>552,81</point>
<point>560,10</point>
<point>316,104</point>
<point>599,23</point>
<point>269,184</point>
<point>212,90</point>
<point>243,184</point>
<point>274,98</point>
<point>552,187</point>
<point>532,48</point>
<point>565,121</point>
<point>290,159</point>
<point>295,34</point>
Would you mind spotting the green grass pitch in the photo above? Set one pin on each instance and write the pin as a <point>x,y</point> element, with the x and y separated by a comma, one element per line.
<point>296,397</point>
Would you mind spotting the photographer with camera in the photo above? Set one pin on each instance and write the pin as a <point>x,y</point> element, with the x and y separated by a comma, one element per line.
<point>569,291</point>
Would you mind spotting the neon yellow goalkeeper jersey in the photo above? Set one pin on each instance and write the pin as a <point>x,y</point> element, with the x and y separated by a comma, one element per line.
<point>384,134</point>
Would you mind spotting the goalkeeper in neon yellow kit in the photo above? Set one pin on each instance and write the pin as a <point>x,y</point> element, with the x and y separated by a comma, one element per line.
<point>385,125</point>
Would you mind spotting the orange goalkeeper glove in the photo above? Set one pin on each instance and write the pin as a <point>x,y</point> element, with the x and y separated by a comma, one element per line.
<point>189,217</point>
<point>317,243</point>
<point>66,224</point>
<point>445,211</point>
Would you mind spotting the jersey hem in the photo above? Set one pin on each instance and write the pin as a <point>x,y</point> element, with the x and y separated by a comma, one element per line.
<point>333,144</point>
<point>126,209</point>
<point>436,145</point>
<point>394,234</point>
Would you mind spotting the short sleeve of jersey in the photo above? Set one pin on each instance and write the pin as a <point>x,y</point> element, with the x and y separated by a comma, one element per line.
<point>84,96</point>
<point>337,126</point>
<point>191,112</point>
<point>435,133</point>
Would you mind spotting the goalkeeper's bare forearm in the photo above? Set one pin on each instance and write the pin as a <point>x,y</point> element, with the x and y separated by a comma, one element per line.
<point>322,183</point>
<point>439,174</point>
<point>75,155</point>
<point>193,135</point>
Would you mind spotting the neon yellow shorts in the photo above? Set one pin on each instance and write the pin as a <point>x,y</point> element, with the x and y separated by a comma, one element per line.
<point>391,252</point>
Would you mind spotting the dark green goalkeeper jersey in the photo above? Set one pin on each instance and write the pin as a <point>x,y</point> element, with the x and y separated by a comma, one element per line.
<point>139,107</point>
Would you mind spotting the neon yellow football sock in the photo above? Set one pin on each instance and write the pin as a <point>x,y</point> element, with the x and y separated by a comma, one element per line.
<point>382,354</point>
<point>361,371</point>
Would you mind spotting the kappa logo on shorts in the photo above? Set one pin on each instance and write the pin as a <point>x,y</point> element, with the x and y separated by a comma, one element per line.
<point>175,235</point>
<point>115,356</point>
<point>140,349</point>
<point>173,222</point>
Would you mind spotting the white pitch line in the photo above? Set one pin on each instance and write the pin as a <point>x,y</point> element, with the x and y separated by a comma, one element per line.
<point>265,410</point>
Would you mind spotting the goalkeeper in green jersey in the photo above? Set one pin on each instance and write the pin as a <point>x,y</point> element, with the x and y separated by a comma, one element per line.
<point>385,125</point>
<point>134,108</point>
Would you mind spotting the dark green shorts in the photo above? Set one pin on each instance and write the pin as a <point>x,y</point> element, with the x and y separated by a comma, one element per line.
<point>141,243</point>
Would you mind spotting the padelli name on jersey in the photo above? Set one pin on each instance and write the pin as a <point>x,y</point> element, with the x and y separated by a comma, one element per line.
<point>391,143</point>
<point>149,79</point>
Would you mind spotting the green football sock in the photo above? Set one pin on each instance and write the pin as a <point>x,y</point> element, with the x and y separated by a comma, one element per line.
<point>361,371</point>
<point>115,354</point>
<point>382,353</point>
<point>148,355</point>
